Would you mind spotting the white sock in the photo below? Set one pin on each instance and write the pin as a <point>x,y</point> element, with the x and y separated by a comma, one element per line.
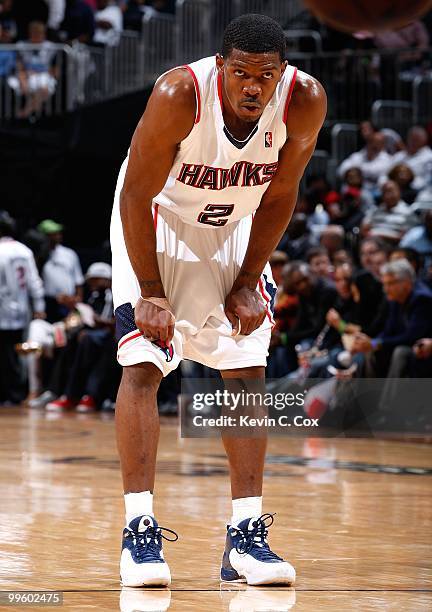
<point>245,507</point>
<point>137,504</point>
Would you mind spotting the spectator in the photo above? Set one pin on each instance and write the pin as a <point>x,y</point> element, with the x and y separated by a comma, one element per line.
<point>418,157</point>
<point>332,239</point>
<point>412,257</point>
<point>393,213</point>
<point>25,12</point>
<point>420,239</point>
<point>368,248</point>
<point>277,261</point>
<point>372,160</point>
<point>61,274</point>
<point>319,262</point>
<point>367,309</point>
<point>78,24</point>
<point>316,296</point>
<point>19,281</point>
<point>409,320</point>
<point>404,177</point>
<point>347,212</point>
<point>353,179</point>
<point>379,258</point>
<point>109,24</point>
<point>282,359</point>
<point>36,71</point>
<point>297,239</point>
<point>81,369</point>
<point>342,256</point>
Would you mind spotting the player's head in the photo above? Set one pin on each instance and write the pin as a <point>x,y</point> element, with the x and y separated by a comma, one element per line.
<point>251,63</point>
<point>7,224</point>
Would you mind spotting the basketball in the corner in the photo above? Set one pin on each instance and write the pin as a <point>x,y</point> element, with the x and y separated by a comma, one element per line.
<point>372,15</point>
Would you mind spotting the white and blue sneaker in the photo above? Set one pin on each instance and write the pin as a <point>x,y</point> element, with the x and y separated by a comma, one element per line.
<point>142,561</point>
<point>248,558</point>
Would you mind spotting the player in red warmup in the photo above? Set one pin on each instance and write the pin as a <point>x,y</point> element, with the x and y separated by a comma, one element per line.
<point>207,190</point>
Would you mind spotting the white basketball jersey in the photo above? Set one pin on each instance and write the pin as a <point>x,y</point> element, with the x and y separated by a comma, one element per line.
<point>216,179</point>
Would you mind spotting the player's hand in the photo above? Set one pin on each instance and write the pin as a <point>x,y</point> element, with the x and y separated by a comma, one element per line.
<point>245,310</point>
<point>154,322</point>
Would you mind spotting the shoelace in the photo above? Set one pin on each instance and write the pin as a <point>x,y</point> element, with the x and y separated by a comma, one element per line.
<point>149,542</point>
<point>257,536</point>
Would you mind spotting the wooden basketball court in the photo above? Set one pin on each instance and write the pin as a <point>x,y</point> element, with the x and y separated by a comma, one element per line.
<point>353,516</point>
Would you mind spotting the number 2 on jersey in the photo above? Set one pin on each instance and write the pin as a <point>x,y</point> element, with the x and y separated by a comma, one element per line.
<point>214,214</point>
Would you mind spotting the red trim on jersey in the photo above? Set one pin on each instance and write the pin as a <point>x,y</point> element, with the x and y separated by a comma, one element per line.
<point>291,87</point>
<point>155,217</point>
<point>219,89</point>
<point>267,301</point>
<point>197,92</point>
<point>137,335</point>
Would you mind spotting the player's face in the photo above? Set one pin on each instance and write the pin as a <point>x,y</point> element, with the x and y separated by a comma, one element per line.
<point>249,81</point>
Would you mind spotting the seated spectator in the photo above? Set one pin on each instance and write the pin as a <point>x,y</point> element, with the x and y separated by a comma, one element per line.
<point>368,247</point>
<point>409,320</point>
<point>62,275</point>
<point>410,255</point>
<point>372,160</point>
<point>392,213</point>
<point>342,256</point>
<point>277,261</point>
<point>282,359</point>
<point>332,239</point>
<point>347,211</point>
<point>36,77</point>
<point>297,239</point>
<point>25,12</point>
<point>20,282</point>
<point>81,368</point>
<point>319,262</point>
<point>78,24</point>
<point>316,296</point>
<point>367,309</point>
<point>393,140</point>
<point>109,24</point>
<point>353,178</point>
<point>404,177</point>
<point>420,239</point>
<point>378,259</point>
<point>418,157</point>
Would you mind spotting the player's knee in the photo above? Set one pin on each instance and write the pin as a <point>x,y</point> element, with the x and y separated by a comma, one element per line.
<point>142,377</point>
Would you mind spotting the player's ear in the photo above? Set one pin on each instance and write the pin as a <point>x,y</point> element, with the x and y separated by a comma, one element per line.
<point>283,66</point>
<point>219,62</point>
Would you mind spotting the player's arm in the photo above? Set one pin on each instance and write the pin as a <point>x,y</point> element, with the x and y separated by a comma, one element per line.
<point>306,115</point>
<point>167,120</point>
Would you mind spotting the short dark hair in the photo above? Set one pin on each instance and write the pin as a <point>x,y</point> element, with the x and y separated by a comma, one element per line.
<point>254,33</point>
<point>318,251</point>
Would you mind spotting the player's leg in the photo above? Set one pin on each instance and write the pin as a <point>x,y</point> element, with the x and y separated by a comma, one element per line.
<point>246,455</point>
<point>247,556</point>
<point>137,428</point>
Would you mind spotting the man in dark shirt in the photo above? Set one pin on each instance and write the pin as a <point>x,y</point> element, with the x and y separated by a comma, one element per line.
<point>316,297</point>
<point>409,319</point>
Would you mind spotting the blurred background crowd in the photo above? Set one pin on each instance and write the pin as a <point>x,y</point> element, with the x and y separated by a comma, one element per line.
<point>353,270</point>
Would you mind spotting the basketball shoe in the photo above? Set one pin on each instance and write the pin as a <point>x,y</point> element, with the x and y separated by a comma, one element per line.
<point>248,558</point>
<point>142,562</point>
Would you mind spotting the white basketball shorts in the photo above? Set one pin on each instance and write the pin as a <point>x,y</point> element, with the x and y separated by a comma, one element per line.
<point>198,267</point>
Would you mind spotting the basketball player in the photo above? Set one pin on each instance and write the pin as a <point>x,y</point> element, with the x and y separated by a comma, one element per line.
<point>203,199</point>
